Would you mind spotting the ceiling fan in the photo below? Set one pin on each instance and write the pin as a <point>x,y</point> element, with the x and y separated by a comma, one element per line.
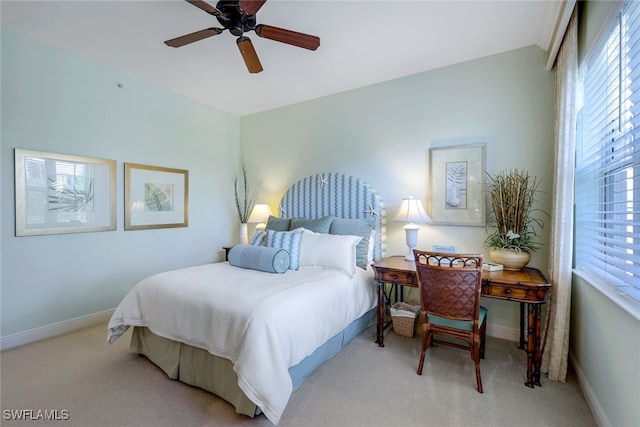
<point>239,17</point>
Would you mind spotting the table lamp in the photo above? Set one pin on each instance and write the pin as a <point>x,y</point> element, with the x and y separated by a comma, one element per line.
<point>260,214</point>
<point>411,211</point>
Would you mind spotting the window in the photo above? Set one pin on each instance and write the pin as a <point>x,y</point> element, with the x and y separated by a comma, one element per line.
<point>608,158</point>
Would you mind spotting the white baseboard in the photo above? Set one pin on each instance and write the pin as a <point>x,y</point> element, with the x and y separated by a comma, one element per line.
<point>49,331</point>
<point>592,400</point>
<point>503,332</point>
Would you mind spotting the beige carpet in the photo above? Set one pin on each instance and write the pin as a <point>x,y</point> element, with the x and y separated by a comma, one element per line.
<point>104,385</point>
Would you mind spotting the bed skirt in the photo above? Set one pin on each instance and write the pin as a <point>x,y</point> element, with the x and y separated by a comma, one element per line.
<point>199,368</point>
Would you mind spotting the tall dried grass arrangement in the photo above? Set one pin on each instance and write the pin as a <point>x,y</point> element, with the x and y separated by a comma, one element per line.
<point>245,200</point>
<point>513,194</point>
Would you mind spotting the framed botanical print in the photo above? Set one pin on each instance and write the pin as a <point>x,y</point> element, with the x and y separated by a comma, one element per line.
<point>155,197</point>
<point>456,186</point>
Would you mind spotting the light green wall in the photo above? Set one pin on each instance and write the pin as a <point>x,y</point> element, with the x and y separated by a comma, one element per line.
<point>605,344</point>
<point>383,133</point>
<point>54,101</point>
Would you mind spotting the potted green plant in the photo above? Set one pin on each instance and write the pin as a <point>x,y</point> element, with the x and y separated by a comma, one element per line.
<point>513,223</point>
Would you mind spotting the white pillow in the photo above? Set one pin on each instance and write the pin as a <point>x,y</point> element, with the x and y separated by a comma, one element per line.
<point>372,241</point>
<point>331,251</point>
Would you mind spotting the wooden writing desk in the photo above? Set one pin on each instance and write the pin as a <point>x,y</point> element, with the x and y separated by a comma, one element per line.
<point>527,286</point>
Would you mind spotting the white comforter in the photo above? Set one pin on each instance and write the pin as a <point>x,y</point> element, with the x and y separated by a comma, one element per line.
<point>264,323</point>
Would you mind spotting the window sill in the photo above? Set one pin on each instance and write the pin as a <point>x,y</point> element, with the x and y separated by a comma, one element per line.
<point>622,300</point>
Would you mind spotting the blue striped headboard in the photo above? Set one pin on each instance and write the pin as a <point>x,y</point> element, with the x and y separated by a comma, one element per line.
<point>340,195</point>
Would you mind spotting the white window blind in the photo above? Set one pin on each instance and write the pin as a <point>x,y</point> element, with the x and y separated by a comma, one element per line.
<point>608,158</point>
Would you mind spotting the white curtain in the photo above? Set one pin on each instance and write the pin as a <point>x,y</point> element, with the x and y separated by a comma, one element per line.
<point>556,339</point>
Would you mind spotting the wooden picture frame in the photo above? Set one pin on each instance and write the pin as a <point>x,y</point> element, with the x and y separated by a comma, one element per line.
<point>456,190</point>
<point>63,193</point>
<point>155,197</point>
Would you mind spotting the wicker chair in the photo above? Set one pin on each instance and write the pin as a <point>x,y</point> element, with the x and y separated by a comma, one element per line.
<point>450,286</point>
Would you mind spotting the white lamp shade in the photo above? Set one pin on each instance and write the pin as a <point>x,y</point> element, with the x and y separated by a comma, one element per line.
<point>411,210</point>
<point>260,213</point>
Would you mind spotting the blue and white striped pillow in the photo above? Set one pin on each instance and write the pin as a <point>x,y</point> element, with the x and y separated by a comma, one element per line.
<point>288,240</point>
<point>259,238</point>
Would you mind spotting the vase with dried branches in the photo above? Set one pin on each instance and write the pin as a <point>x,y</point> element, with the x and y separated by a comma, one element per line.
<point>245,200</point>
<point>514,221</point>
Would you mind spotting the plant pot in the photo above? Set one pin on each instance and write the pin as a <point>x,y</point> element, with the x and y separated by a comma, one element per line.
<point>511,259</point>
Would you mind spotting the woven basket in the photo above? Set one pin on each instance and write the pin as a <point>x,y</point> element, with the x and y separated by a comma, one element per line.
<point>404,318</point>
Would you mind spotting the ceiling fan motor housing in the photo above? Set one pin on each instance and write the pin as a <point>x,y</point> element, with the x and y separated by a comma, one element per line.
<point>233,19</point>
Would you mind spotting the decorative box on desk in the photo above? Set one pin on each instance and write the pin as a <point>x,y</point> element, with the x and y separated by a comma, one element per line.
<point>489,266</point>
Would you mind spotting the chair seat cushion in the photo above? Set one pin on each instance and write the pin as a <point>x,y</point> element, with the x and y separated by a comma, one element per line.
<point>457,324</point>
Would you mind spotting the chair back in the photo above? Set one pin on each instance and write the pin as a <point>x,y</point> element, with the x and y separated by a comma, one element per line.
<point>450,284</point>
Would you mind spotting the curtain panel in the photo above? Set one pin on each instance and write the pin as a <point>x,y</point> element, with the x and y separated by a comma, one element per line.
<point>556,339</point>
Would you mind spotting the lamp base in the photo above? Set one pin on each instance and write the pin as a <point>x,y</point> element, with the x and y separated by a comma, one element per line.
<point>410,256</point>
<point>411,231</point>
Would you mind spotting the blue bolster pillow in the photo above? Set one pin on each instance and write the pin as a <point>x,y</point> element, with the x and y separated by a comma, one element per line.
<point>262,258</point>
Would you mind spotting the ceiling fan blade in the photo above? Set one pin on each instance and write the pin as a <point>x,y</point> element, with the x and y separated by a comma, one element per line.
<point>205,6</point>
<point>193,37</point>
<point>251,7</point>
<point>249,55</point>
<point>293,38</point>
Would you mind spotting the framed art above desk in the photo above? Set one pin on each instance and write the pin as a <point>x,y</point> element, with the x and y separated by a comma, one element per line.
<point>456,191</point>
<point>527,287</point>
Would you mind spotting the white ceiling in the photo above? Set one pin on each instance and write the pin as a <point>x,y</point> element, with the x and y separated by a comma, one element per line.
<point>362,42</point>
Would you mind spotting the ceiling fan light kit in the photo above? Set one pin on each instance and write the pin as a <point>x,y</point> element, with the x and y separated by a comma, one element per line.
<point>238,16</point>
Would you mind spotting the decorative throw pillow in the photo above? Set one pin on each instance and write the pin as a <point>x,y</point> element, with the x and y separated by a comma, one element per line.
<point>355,227</point>
<point>329,251</point>
<point>259,238</point>
<point>320,225</point>
<point>261,258</point>
<point>372,248</point>
<point>289,240</point>
<point>278,224</point>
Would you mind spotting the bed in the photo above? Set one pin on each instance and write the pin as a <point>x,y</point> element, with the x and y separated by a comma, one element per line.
<point>252,337</point>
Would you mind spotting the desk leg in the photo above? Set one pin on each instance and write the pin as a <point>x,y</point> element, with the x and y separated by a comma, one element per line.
<point>530,346</point>
<point>522,346</point>
<point>538,355</point>
<point>380,316</point>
